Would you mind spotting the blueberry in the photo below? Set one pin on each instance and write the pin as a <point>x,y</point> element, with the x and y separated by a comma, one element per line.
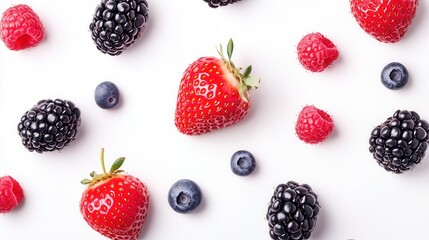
<point>394,75</point>
<point>242,163</point>
<point>106,95</point>
<point>184,196</point>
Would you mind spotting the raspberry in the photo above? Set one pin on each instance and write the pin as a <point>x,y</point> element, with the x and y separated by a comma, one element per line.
<point>313,125</point>
<point>316,52</point>
<point>21,28</point>
<point>11,194</point>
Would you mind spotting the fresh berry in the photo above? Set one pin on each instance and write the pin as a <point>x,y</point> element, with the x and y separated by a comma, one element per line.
<point>213,94</point>
<point>400,143</point>
<point>184,196</point>
<point>292,212</point>
<point>11,194</point>
<point>115,204</point>
<point>117,24</point>
<point>313,125</point>
<point>316,52</point>
<point>106,95</point>
<point>394,75</point>
<point>242,163</point>
<point>49,125</point>
<point>220,3</point>
<point>386,21</point>
<point>21,28</point>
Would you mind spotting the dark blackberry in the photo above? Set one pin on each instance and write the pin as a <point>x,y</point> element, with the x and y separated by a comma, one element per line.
<point>117,24</point>
<point>292,212</point>
<point>400,143</point>
<point>220,3</point>
<point>49,126</point>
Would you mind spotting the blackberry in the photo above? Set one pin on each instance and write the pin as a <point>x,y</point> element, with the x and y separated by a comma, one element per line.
<point>217,3</point>
<point>117,24</point>
<point>400,143</point>
<point>292,212</point>
<point>50,125</point>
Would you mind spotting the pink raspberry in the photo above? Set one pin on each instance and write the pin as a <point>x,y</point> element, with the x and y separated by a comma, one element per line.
<point>313,125</point>
<point>11,194</point>
<point>316,52</point>
<point>21,28</point>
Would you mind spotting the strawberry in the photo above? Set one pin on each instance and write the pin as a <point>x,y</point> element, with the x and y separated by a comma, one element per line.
<point>386,21</point>
<point>316,52</point>
<point>115,204</point>
<point>213,94</point>
<point>11,194</point>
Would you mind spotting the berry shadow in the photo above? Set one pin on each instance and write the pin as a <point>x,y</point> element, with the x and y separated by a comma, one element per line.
<point>421,170</point>
<point>337,64</point>
<point>321,224</point>
<point>20,206</point>
<point>332,137</point>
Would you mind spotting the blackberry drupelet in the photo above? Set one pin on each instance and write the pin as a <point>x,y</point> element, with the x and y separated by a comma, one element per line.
<point>400,143</point>
<point>292,212</point>
<point>117,24</point>
<point>49,126</point>
<point>217,3</point>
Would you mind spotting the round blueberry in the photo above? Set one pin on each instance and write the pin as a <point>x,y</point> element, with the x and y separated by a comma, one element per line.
<point>106,95</point>
<point>184,196</point>
<point>242,163</point>
<point>394,75</point>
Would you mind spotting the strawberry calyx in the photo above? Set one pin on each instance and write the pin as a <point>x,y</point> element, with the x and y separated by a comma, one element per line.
<point>246,82</point>
<point>114,170</point>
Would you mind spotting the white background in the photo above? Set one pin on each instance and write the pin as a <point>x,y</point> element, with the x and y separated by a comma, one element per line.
<point>359,199</point>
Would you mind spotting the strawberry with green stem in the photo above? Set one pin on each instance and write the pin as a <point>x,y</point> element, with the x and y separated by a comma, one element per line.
<point>213,94</point>
<point>115,204</point>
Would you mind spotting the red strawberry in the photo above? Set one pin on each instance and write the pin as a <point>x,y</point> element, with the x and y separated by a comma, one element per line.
<point>316,52</point>
<point>213,94</point>
<point>21,28</point>
<point>11,194</point>
<point>115,204</point>
<point>313,125</point>
<point>386,21</point>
